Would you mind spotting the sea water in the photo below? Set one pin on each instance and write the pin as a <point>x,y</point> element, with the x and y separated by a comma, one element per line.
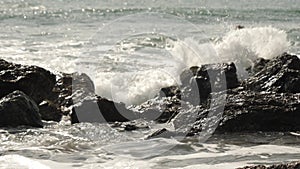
<point>131,49</point>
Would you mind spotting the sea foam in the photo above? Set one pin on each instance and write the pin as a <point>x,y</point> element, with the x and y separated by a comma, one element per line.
<point>241,46</point>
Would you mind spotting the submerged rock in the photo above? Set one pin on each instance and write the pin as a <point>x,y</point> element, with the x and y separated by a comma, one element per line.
<point>163,133</point>
<point>36,82</point>
<point>18,109</point>
<point>130,125</point>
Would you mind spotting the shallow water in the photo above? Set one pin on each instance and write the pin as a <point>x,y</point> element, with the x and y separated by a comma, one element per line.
<point>99,146</point>
<point>131,49</point>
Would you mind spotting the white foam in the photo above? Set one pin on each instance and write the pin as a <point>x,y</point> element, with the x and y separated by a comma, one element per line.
<point>132,87</point>
<point>20,162</point>
<point>249,43</point>
<point>239,46</point>
<point>265,154</point>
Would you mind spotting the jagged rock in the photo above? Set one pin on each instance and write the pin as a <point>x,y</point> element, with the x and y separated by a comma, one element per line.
<point>243,111</point>
<point>197,85</point>
<point>259,64</point>
<point>76,92</point>
<point>50,112</point>
<point>293,165</point>
<point>159,109</point>
<point>199,82</point>
<point>36,82</point>
<point>196,89</point>
<point>68,87</point>
<point>250,111</point>
<point>281,74</point>
<point>18,109</point>
<point>71,86</point>
<point>267,101</point>
<point>97,109</point>
<point>172,91</point>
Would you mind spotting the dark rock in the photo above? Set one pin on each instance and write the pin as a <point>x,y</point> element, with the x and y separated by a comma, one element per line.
<point>267,101</point>
<point>36,82</point>
<point>190,121</point>
<point>250,111</point>
<point>159,109</point>
<point>162,133</point>
<point>293,165</point>
<point>281,75</point>
<point>239,27</point>
<point>259,64</point>
<point>18,109</point>
<point>71,86</point>
<point>199,82</point>
<point>97,109</point>
<point>196,89</point>
<point>130,125</point>
<point>76,92</point>
<point>172,91</point>
<point>243,111</point>
<point>50,112</point>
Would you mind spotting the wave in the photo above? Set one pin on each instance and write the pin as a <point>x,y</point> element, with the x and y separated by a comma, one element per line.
<point>242,47</point>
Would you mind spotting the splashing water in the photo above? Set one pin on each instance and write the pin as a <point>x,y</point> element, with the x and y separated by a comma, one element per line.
<point>239,46</point>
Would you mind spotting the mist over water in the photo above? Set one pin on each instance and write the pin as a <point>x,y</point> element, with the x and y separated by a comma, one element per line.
<point>130,55</point>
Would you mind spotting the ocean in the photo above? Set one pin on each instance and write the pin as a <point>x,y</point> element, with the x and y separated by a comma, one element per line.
<point>131,49</point>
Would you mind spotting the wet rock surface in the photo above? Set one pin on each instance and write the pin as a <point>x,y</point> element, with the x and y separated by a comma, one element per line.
<point>159,109</point>
<point>265,111</point>
<point>98,109</point>
<point>199,82</point>
<point>210,97</point>
<point>34,81</point>
<point>71,86</point>
<point>267,101</point>
<point>294,165</point>
<point>50,112</point>
<point>67,88</point>
<point>243,111</point>
<point>281,74</point>
<point>59,95</point>
<point>259,64</point>
<point>172,91</point>
<point>74,94</point>
<point>18,109</point>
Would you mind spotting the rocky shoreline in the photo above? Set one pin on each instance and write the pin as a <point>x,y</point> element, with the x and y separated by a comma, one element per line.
<point>210,99</point>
